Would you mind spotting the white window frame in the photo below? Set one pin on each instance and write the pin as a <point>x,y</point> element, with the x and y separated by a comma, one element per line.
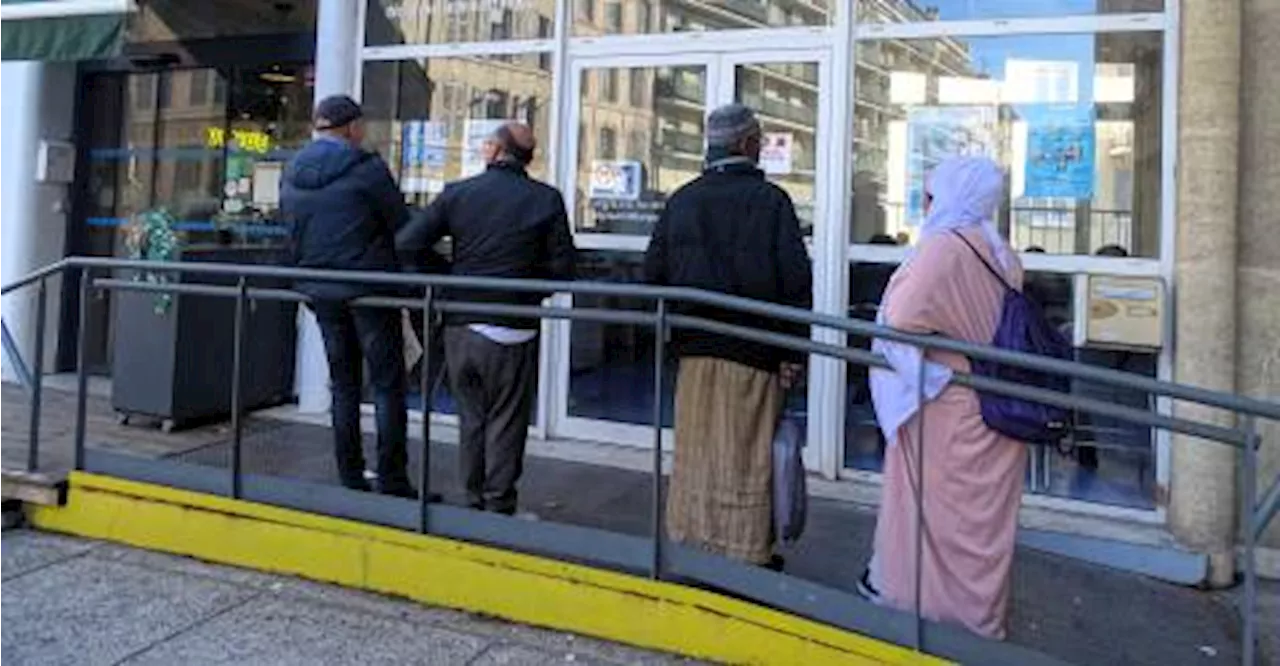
<point>840,41</point>
<point>1165,22</point>
<point>719,64</point>
<point>554,46</point>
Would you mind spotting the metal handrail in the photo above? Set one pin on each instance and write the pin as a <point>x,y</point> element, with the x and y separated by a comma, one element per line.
<point>638,318</point>
<point>1226,401</point>
<point>1255,516</point>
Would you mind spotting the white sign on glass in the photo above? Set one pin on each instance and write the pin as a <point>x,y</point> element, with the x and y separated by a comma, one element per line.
<point>776,151</point>
<point>615,179</point>
<point>476,132</point>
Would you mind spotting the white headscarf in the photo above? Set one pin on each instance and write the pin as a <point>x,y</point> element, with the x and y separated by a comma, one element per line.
<point>966,193</point>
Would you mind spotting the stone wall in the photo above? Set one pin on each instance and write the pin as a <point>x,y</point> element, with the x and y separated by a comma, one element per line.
<point>1258,268</point>
<point>1202,503</point>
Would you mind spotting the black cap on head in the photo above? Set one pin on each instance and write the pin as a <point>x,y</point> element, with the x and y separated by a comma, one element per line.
<point>336,111</point>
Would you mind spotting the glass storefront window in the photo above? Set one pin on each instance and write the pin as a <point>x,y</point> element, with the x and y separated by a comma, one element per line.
<point>429,118</point>
<point>622,185</point>
<point>189,149</point>
<point>205,144</point>
<point>785,98</point>
<point>163,23</point>
<point>1076,120</point>
<point>611,365</point>
<point>902,11</point>
<point>639,17</point>
<point>444,21</point>
<point>1105,460</point>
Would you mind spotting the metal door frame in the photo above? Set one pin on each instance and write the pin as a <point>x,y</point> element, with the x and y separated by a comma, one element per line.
<point>827,243</point>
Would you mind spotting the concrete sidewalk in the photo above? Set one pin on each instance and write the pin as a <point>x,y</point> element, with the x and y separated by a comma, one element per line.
<point>73,601</point>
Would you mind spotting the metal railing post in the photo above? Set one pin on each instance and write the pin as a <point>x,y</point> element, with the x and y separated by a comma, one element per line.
<point>82,365</point>
<point>1248,504</point>
<point>918,627</point>
<point>1266,509</point>
<point>16,364</point>
<point>37,379</point>
<point>424,388</point>
<point>659,357</point>
<point>237,380</point>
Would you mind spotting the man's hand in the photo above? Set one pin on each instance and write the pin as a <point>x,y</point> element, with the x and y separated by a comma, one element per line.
<point>790,374</point>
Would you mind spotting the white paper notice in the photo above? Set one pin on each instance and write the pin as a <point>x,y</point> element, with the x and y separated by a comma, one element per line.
<point>775,152</point>
<point>474,135</point>
<point>266,184</point>
<point>612,179</point>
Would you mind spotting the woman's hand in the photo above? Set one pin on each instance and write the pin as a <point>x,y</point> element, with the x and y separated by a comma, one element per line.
<point>790,374</point>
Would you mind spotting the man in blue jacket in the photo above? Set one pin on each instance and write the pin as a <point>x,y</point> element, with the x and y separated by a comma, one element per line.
<point>344,209</point>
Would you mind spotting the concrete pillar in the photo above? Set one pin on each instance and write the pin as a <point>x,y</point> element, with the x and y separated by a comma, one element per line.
<point>1202,489</point>
<point>337,49</point>
<point>1258,272</point>
<point>38,104</point>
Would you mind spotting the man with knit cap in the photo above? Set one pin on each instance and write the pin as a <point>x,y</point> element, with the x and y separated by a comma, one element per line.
<point>344,208</point>
<point>731,231</point>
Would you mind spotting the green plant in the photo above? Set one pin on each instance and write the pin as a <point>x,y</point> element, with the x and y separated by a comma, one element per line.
<point>150,236</point>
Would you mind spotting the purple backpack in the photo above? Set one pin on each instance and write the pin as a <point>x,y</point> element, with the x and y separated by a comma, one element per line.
<point>1023,328</point>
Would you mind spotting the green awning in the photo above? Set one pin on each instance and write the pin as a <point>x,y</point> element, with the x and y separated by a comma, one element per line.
<point>68,38</point>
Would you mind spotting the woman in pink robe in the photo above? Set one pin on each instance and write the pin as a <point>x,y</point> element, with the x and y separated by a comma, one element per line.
<point>973,476</point>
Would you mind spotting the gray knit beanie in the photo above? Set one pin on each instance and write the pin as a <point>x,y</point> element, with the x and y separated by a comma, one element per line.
<point>729,124</point>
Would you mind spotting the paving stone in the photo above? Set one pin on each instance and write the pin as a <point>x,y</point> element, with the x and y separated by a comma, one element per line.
<point>23,551</point>
<point>520,655</point>
<point>177,564</point>
<point>88,611</point>
<point>283,632</point>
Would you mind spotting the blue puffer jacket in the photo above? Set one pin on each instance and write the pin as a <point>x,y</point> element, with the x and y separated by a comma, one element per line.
<point>343,209</point>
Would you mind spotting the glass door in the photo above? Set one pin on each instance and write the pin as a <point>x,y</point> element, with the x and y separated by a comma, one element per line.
<point>204,144</point>
<point>640,135</point>
<point>146,147</point>
<point>785,89</point>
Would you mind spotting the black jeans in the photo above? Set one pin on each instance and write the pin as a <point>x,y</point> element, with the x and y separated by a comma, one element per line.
<point>351,336</point>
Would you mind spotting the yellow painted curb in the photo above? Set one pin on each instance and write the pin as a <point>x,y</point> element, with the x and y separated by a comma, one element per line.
<point>443,572</point>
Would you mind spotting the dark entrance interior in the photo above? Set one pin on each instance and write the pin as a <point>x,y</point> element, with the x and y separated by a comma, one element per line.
<point>188,123</point>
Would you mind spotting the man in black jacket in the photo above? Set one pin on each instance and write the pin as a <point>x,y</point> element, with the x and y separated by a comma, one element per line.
<point>503,224</point>
<point>344,210</point>
<point>730,231</point>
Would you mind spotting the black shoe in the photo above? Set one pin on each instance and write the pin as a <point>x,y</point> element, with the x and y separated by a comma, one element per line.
<point>401,489</point>
<point>405,490</point>
<point>357,484</point>
<point>865,589</point>
<point>775,563</point>
<point>1087,457</point>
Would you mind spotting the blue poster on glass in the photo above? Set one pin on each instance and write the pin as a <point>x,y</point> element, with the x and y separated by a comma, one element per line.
<point>1060,151</point>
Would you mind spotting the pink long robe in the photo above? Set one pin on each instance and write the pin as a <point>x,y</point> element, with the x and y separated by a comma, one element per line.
<point>973,476</point>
